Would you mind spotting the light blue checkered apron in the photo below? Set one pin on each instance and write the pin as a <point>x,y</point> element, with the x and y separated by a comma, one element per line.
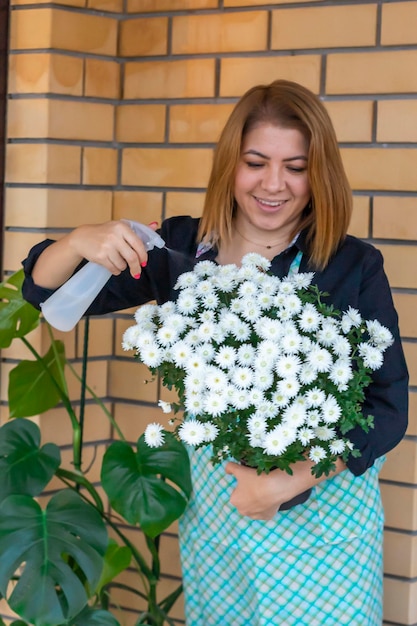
<point>317,564</point>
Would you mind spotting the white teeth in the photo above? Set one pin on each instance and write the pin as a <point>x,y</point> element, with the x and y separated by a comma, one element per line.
<point>270,203</point>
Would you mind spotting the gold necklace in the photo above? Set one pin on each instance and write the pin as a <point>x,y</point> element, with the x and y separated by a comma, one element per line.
<point>262,245</point>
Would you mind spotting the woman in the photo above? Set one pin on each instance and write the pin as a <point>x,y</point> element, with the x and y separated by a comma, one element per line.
<point>268,549</point>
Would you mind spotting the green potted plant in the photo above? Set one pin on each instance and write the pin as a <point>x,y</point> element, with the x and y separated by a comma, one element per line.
<point>58,564</point>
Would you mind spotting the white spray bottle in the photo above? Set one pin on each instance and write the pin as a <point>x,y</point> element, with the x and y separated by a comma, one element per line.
<point>67,305</point>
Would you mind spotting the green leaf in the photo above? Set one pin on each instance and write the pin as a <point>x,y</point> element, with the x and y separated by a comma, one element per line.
<point>25,467</point>
<point>94,617</point>
<point>136,489</point>
<point>116,560</point>
<point>40,545</point>
<point>31,389</point>
<point>17,317</point>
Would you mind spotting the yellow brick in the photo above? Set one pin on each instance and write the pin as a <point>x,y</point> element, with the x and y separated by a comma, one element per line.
<point>58,119</point>
<point>96,425</point>
<point>56,208</point>
<point>96,378</point>
<point>143,6</point>
<point>99,166</point>
<point>399,23</point>
<point>70,3</point>
<point>372,72</point>
<point>352,120</point>
<point>396,121</point>
<point>115,6</point>
<point>140,123</point>
<point>82,32</point>
<point>45,73</point>
<point>400,264</point>
<point>102,78</point>
<point>41,163</point>
<point>226,32</point>
<point>395,218</point>
<point>324,27</point>
<point>400,554</point>
<point>400,601</point>
<point>401,463</point>
<point>100,337</point>
<point>400,504</point>
<point>133,418</point>
<point>197,123</point>
<point>359,223</point>
<point>31,29</point>
<point>16,247</point>
<point>160,167</point>
<point>410,351</point>
<point>412,420</point>
<point>170,556</point>
<point>250,3</point>
<point>189,78</point>
<point>132,380</point>
<point>406,305</point>
<point>144,36</point>
<point>141,206</point>
<point>381,168</point>
<point>239,74</point>
<point>184,203</point>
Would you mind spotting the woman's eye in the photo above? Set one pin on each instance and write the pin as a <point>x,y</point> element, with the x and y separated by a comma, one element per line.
<point>296,170</point>
<point>253,164</point>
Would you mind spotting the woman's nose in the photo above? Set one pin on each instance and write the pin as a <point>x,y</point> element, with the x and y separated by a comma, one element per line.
<point>273,180</point>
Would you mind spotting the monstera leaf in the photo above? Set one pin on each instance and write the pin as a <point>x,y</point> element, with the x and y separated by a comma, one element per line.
<point>53,552</point>
<point>134,482</point>
<point>31,383</point>
<point>25,467</point>
<point>17,317</point>
<point>94,617</point>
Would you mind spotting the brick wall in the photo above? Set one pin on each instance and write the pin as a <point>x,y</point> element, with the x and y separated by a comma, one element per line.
<point>114,111</point>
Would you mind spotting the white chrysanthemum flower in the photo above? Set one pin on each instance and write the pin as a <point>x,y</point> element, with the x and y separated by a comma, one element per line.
<point>187,302</point>
<point>266,409</point>
<point>331,411</point>
<point>372,357</point>
<point>320,359</point>
<point>293,304</point>
<point>325,433</point>
<point>257,423</point>
<point>263,378</point>
<point>205,351</point>
<point>328,333</point>
<point>167,335</point>
<point>194,382</point>
<point>165,406</point>
<point>166,310</point>
<point>341,372</point>
<point>315,397</point>
<point>251,312</point>
<point>309,318</point>
<point>242,377</point>
<point>287,287</point>
<point>302,280</point>
<point>181,353</point>
<point>247,289</point>
<point>205,268</point>
<point>240,399</point>
<point>241,331</point>
<point>143,339</point>
<point>269,329</point>
<point>226,356</point>
<point>264,301</point>
<point>316,454</point>
<point>210,431</point>
<point>305,435</point>
<point>154,435</point>
<point>187,279</point>
<point>151,355</point>
<point>194,402</point>
<point>236,306</point>
<point>256,396</point>
<point>291,343</point>
<point>337,446</point>
<point>196,365</point>
<point>294,415</point>
<point>207,331</point>
<point>210,300</point>
<point>246,355</point>
<point>204,287</point>
<point>145,313</point>
<point>130,338</point>
<point>350,319</point>
<point>256,260</point>
<point>379,334</point>
<point>288,365</point>
<point>279,399</point>
<point>270,284</point>
<point>288,387</point>
<point>276,441</point>
<point>313,418</point>
<point>256,439</point>
<point>215,378</point>
<point>341,346</point>
<point>269,350</point>
<point>192,337</point>
<point>215,403</point>
<point>192,431</point>
<point>207,316</point>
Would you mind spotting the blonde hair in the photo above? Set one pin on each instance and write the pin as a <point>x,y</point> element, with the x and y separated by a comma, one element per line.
<point>287,105</point>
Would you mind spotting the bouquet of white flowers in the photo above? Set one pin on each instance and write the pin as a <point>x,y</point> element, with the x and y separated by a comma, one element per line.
<point>266,372</point>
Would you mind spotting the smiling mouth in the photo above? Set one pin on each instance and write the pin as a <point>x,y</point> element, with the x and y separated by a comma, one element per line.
<point>270,203</point>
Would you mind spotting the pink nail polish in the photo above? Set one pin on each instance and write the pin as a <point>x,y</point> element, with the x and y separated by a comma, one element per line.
<point>153,224</point>
<point>144,264</point>
<point>136,276</point>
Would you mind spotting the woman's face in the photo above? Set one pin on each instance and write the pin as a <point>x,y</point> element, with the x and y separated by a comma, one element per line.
<point>271,184</point>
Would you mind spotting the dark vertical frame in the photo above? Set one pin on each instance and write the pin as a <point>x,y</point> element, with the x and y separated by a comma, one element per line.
<point>4,32</point>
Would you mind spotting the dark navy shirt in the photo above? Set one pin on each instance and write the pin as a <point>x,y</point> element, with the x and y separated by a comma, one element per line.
<point>354,277</point>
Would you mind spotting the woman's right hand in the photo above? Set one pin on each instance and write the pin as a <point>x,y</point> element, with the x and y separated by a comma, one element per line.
<point>111,244</point>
